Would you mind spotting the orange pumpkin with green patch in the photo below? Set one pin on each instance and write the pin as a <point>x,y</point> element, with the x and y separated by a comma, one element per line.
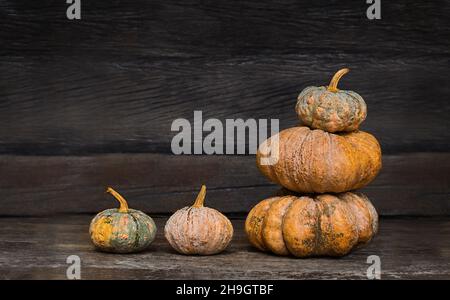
<point>122,230</point>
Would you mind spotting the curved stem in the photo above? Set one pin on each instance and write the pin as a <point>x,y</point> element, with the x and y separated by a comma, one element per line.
<point>200,197</point>
<point>335,80</point>
<point>123,203</point>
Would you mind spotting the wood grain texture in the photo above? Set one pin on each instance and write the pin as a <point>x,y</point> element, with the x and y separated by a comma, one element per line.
<point>190,28</point>
<point>38,248</point>
<point>115,80</point>
<point>408,184</point>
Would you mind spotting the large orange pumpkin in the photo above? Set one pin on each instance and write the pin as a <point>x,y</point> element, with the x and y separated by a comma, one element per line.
<point>323,225</point>
<point>315,161</point>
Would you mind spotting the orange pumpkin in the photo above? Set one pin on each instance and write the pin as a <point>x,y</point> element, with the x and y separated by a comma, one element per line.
<point>322,225</point>
<point>198,230</point>
<point>315,161</point>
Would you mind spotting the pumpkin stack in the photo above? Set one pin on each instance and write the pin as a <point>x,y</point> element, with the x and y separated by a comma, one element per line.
<point>318,163</point>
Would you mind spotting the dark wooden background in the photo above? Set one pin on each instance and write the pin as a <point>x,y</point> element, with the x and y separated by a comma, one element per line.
<point>89,103</point>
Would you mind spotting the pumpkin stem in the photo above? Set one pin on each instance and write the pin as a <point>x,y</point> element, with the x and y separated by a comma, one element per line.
<point>334,81</point>
<point>123,203</point>
<point>200,197</point>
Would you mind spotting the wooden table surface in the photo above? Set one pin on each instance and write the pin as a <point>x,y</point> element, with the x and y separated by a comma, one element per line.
<point>37,248</point>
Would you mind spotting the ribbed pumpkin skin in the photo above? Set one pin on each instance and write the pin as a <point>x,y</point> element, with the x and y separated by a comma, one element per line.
<point>315,161</point>
<point>198,230</point>
<point>324,225</point>
<point>319,108</point>
<point>120,232</point>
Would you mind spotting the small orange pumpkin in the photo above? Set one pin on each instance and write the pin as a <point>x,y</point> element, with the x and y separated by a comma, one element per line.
<point>322,225</point>
<point>198,230</point>
<point>329,108</point>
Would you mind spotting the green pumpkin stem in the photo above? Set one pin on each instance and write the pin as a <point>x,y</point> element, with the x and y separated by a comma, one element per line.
<point>335,80</point>
<point>123,203</point>
<point>200,197</point>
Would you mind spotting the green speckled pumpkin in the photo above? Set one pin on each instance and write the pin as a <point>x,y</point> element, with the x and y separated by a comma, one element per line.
<point>329,108</point>
<point>122,230</point>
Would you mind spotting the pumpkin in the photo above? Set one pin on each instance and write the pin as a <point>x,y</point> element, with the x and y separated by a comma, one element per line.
<point>198,229</point>
<point>122,230</point>
<point>329,108</point>
<point>315,161</point>
<point>304,226</point>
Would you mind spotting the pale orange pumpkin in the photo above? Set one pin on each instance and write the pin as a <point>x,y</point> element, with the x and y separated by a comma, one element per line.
<point>198,230</point>
<point>315,161</point>
<point>304,226</point>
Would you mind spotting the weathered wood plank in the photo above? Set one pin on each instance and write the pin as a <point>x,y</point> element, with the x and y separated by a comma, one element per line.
<point>38,249</point>
<point>410,184</point>
<point>193,28</point>
<point>62,107</point>
<point>115,80</point>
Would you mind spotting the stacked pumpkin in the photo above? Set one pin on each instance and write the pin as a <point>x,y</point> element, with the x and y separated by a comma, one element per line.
<point>319,162</point>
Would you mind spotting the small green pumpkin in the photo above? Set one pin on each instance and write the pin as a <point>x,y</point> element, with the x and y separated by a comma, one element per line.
<point>122,230</point>
<point>331,109</point>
